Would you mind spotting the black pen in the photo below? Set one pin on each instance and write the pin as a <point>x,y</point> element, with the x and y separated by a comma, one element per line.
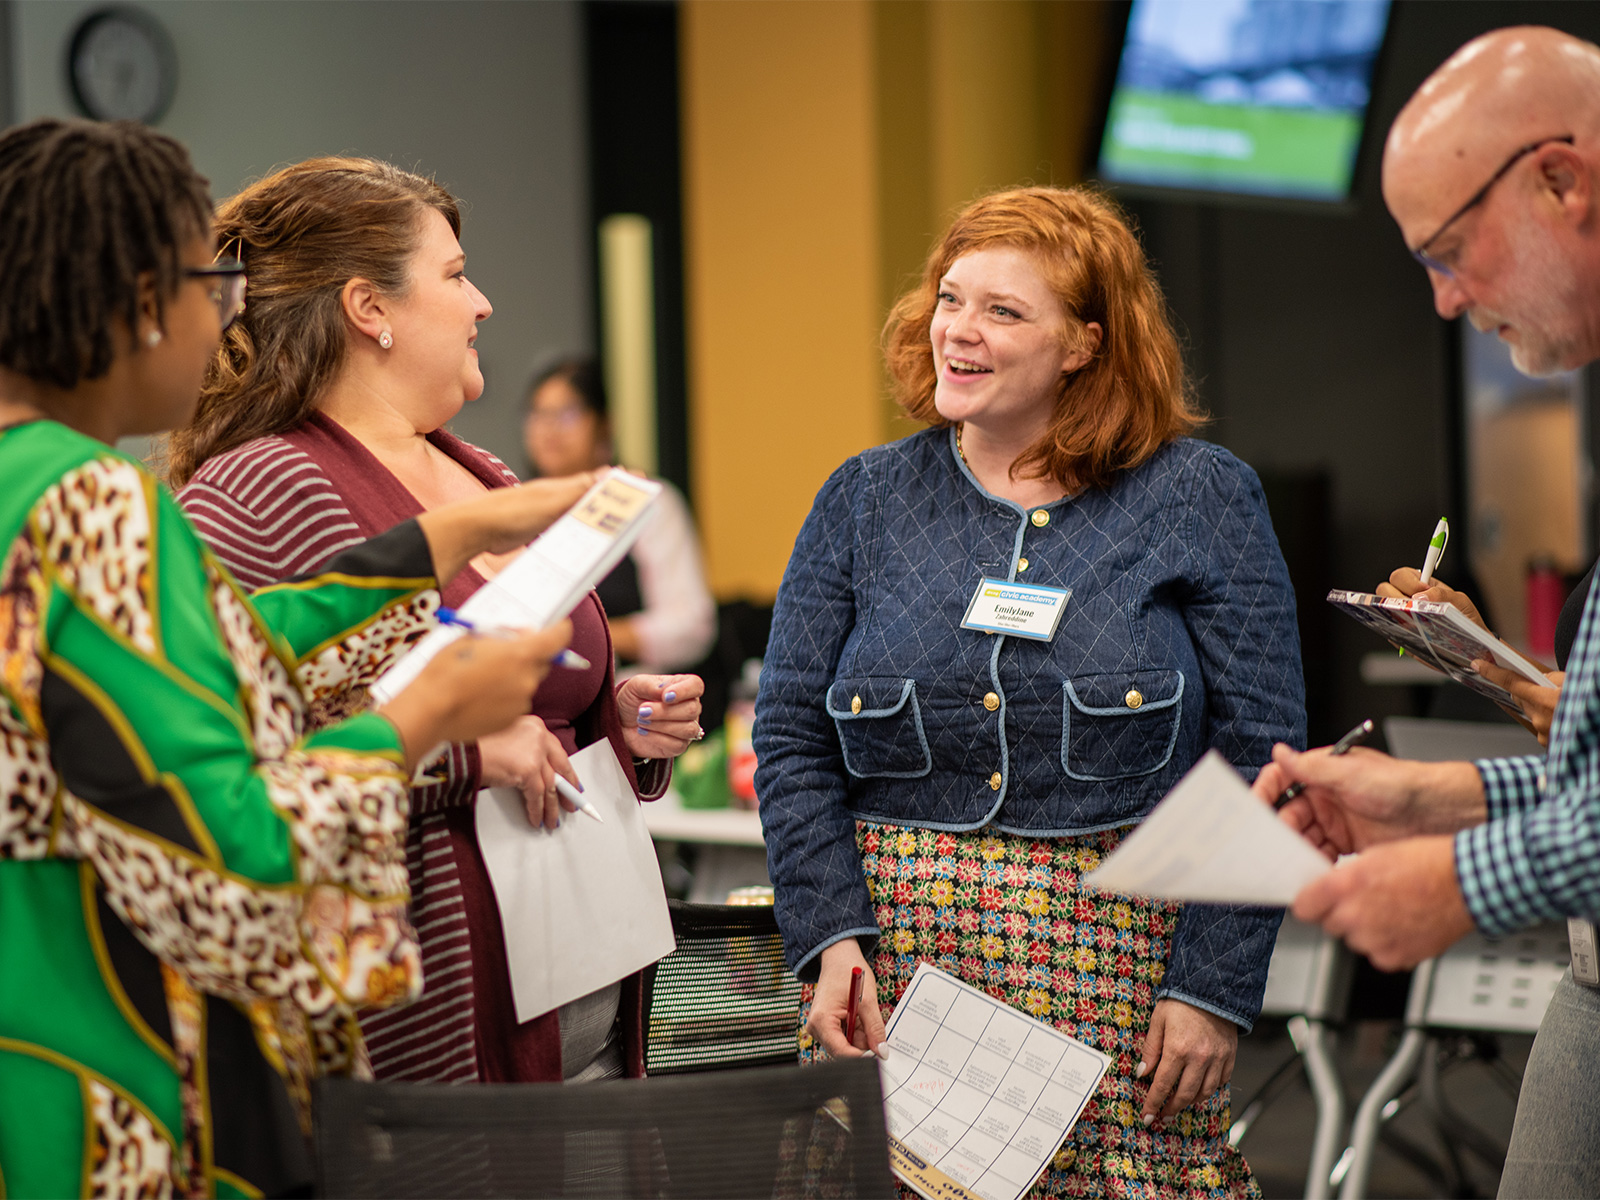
<point>1355,737</point>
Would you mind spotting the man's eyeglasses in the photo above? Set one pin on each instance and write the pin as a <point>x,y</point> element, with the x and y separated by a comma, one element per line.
<point>1434,264</point>
<point>227,283</point>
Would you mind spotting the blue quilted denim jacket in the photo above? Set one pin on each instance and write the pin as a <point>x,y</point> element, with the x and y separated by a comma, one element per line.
<point>875,703</point>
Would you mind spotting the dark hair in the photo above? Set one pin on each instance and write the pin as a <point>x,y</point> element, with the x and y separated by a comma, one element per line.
<point>89,208</point>
<point>1131,397</point>
<point>302,233</point>
<point>582,375</point>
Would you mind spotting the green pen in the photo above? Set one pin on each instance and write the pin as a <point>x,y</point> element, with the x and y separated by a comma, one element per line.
<point>1436,545</point>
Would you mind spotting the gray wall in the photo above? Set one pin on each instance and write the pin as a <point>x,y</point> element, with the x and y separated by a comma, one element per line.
<point>486,96</point>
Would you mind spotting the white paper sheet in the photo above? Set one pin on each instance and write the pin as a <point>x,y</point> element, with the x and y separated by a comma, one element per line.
<point>977,1096</point>
<point>582,905</point>
<point>550,577</point>
<point>1211,840</point>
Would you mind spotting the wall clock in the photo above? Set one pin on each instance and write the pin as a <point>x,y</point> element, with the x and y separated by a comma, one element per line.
<point>122,66</point>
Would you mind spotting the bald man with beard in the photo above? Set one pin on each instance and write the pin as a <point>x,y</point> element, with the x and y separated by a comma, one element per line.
<point>1492,172</point>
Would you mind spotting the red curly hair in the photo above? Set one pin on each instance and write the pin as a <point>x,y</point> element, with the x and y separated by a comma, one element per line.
<point>1132,396</point>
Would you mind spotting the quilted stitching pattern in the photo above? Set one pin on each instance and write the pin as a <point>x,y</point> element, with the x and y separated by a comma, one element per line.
<point>1174,569</point>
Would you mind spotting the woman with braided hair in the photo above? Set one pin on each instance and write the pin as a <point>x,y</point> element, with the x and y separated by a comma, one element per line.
<point>197,889</point>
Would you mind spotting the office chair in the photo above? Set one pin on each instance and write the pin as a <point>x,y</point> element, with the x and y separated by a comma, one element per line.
<point>791,1133</point>
<point>1308,982</point>
<point>724,998</point>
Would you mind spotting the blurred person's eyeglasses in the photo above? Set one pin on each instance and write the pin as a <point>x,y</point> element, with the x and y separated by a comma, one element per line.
<point>1438,264</point>
<point>226,287</point>
<point>562,418</point>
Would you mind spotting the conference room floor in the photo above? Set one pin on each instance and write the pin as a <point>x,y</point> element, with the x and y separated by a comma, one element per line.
<point>1279,1146</point>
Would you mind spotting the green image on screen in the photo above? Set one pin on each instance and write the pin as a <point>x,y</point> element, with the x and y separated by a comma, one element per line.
<point>1266,97</point>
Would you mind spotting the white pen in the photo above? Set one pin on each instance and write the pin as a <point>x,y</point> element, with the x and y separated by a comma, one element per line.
<point>570,659</point>
<point>1436,545</point>
<point>574,795</point>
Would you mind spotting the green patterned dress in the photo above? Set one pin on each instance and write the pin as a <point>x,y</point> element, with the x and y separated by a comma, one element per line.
<point>196,895</point>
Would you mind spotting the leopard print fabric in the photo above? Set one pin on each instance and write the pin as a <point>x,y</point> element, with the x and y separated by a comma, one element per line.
<point>300,956</point>
<point>277,710</point>
<point>336,677</point>
<point>94,526</point>
<point>129,1159</point>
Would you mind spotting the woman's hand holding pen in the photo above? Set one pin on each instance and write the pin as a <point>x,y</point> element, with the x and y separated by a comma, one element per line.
<point>830,1004</point>
<point>527,756</point>
<point>660,714</point>
<point>1406,584</point>
<point>1538,703</point>
<point>473,687</point>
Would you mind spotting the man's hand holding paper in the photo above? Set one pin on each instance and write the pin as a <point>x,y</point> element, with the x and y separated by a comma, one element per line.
<point>1398,902</point>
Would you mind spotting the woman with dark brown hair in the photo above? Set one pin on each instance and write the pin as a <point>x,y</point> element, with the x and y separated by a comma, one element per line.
<point>933,783</point>
<point>322,422</point>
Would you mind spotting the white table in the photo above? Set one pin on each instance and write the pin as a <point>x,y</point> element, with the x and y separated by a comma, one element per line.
<point>732,853</point>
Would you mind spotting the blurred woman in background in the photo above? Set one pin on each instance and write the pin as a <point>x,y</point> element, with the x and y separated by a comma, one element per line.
<point>322,421</point>
<point>660,611</point>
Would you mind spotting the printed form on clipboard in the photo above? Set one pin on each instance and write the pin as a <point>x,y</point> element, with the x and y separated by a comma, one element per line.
<point>977,1096</point>
<point>550,577</point>
<point>1439,635</point>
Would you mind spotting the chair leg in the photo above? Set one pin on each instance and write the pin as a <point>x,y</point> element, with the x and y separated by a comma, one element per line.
<point>1369,1115</point>
<point>1316,1043</point>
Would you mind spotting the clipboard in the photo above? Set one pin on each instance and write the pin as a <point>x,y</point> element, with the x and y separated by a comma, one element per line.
<point>1440,636</point>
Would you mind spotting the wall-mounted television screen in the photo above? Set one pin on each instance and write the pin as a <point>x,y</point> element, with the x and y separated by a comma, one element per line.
<point>1266,97</point>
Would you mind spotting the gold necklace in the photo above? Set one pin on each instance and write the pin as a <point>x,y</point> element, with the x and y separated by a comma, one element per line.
<point>960,453</point>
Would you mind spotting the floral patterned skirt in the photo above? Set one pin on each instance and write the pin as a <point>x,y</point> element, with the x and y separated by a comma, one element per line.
<point>1004,913</point>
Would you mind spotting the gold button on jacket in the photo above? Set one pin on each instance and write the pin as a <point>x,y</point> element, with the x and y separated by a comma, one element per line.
<point>994,782</point>
<point>1040,518</point>
<point>1022,565</point>
<point>991,701</point>
<point>1134,698</point>
<point>855,704</point>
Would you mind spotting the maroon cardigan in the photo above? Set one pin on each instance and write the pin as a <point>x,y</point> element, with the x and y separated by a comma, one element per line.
<point>268,478</point>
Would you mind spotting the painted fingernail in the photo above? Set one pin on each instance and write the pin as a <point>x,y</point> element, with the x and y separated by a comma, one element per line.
<point>1148,1119</point>
<point>644,713</point>
<point>670,697</point>
<point>1143,1067</point>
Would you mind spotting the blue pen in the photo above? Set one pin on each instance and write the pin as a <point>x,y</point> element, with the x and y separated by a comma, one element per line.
<point>570,659</point>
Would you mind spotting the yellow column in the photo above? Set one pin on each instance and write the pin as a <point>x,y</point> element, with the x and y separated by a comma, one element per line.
<point>825,146</point>
<point>781,244</point>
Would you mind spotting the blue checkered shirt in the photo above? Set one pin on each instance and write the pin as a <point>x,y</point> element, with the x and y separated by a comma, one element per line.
<point>1537,857</point>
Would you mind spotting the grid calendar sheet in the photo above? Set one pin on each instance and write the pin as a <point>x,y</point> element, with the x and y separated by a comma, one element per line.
<point>977,1096</point>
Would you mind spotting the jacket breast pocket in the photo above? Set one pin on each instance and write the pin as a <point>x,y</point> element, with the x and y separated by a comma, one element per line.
<point>880,727</point>
<point>1121,725</point>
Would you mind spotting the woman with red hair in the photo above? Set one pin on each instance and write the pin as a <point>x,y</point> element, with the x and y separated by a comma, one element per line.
<point>932,791</point>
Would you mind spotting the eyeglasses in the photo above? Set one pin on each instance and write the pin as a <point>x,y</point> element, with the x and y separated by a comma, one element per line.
<point>226,289</point>
<point>565,417</point>
<point>1421,252</point>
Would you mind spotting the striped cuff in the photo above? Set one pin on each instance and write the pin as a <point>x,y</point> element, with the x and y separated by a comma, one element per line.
<point>1497,878</point>
<point>1511,784</point>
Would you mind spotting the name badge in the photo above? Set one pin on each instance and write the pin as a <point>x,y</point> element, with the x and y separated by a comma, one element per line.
<point>1017,609</point>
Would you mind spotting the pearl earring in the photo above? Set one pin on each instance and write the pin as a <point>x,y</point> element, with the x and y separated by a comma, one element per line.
<point>153,338</point>
<point>386,339</point>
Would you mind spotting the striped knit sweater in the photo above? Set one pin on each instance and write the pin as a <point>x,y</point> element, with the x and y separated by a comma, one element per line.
<point>270,513</point>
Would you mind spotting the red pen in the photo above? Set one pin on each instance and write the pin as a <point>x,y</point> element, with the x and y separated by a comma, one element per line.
<point>855,1004</point>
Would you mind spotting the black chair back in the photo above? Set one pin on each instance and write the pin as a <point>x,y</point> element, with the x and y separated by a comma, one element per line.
<point>792,1133</point>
